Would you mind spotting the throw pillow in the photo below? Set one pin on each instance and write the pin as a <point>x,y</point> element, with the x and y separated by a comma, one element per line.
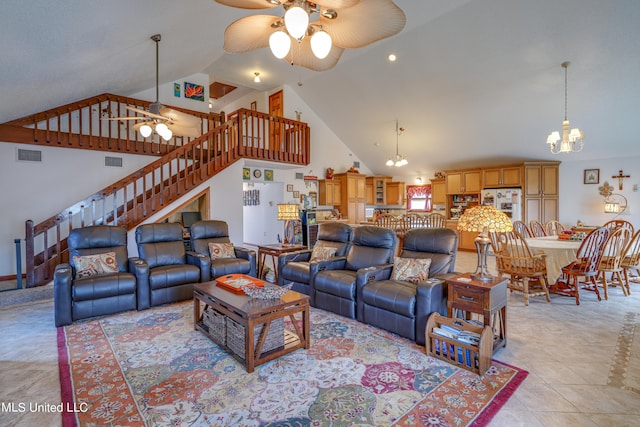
<point>95,265</point>
<point>221,250</point>
<point>411,269</point>
<point>322,253</point>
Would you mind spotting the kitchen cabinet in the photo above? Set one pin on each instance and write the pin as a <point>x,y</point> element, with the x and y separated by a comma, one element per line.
<point>353,196</point>
<point>541,191</point>
<point>329,192</point>
<point>377,190</point>
<point>438,192</point>
<point>463,182</point>
<point>466,239</point>
<point>499,177</point>
<point>395,193</point>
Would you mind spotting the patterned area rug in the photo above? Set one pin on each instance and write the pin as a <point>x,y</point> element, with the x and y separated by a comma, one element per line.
<point>151,368</point>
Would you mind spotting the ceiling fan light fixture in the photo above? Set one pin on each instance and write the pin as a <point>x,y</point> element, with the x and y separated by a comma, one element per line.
<point>321,44</point>
<point>390,162</point>
<point>145,130</point>
<point>279,43</point>
<point>296,19</point>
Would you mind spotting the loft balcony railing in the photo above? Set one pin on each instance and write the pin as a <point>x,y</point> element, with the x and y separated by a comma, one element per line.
<point>82,125</point>
<point>181,167</point>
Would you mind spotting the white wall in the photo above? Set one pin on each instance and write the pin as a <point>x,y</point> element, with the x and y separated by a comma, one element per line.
<point>166,94</point>
<point>259,220</point>
<point>579,201</point>
<point>38,191</point>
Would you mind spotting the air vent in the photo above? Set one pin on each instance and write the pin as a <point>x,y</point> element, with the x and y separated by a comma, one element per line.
<point>115,162</point>
<point>299,175</point>
<point>29,155</point>
<point>356,165</point>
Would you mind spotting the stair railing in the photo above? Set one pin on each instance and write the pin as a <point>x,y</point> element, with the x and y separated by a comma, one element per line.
<point>134,198</point>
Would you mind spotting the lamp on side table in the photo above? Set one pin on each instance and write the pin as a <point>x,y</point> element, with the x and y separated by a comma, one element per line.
<point>288,213</point>
<point>483,219</point>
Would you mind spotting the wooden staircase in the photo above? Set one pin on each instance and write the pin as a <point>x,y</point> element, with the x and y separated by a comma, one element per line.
<point>182,165</point>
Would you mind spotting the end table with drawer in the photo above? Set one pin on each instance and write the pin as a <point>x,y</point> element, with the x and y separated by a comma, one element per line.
<point>487,298</point>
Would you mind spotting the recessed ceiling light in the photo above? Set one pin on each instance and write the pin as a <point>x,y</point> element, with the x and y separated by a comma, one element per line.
<point>392,57</point>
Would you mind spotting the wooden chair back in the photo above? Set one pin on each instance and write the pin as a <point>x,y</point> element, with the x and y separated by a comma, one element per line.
<point>619,223</point>
<point>528,272</point>
<point>590,251</point>
<point>611,259</point>
<point>631,257</point>
<point>434,220</point>
<point>553,227</point>
<point>537,229</point>
<point>522,228</point>
<point>409,221</point>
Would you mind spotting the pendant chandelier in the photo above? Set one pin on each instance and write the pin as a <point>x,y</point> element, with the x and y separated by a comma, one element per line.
<point>399,160</point>
<point>572,141</point>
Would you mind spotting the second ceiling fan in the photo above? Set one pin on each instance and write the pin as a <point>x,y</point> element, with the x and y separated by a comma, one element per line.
<point>165,121</point>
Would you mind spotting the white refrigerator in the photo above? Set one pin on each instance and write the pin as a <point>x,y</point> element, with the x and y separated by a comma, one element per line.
<point>508,200</point>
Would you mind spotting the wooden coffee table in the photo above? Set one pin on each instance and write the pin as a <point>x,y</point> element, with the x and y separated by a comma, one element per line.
<point>251,313</point>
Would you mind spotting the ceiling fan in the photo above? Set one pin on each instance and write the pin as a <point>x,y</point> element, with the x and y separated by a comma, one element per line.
<point>321,30</point>
<point>165,121</point>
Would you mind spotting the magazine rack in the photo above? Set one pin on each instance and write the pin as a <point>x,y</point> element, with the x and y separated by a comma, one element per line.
<point>475,358</point>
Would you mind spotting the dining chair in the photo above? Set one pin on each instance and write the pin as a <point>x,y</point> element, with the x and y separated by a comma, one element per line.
<point>434,220</point>
<point>410,221</point>
<point>522,228</point>
<point>527,272</point>
<point>631,259</point>
<point>553,227</point>
<point>619,223</point>
<point>611,259</point>
<point>585,266</point>
<point>537,229</point>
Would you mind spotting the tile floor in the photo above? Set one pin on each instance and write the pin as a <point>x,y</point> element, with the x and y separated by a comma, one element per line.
<point>583,361</point>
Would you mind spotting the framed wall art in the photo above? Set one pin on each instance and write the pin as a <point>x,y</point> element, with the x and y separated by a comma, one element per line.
<point>268,174</point>
<point>246,173</point>
<point>289,187</point>
<point>296,194</point>
<point>194,91</point>
<point>592,176</point>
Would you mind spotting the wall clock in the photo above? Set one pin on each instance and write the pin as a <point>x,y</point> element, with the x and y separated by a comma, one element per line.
<point>257,173</point>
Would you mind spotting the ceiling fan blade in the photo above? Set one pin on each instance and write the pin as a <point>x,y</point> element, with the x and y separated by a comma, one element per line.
<point>337,4</point>
<point>137,126</point>
<point>248,4</point>
<point>302,55</point>
<point>145,112</point>
<point>183,119</point>
<point>124,118</point>
<point>364,23</point>
<point>249,33</point>
<point>180,130</point>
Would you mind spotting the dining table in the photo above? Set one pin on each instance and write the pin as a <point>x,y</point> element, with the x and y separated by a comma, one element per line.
<point>558,253</point>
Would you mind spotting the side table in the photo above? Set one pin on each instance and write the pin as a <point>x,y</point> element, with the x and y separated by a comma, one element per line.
<point>274,251</point>
<point>486,298</point>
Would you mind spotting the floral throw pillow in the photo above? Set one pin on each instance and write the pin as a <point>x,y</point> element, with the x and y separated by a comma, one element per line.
<point>221,250</point>
<point>95,265</point>
<point>322,253</point>
<point>411,269</point>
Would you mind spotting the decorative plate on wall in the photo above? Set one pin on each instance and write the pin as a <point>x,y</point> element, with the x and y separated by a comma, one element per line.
<point>257,173</point>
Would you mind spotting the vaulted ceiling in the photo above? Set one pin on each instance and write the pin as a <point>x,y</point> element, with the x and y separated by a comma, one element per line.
<point>475,80</point>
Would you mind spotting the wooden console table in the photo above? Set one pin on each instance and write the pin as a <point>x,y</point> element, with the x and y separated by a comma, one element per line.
<point>486,298</point>
<point>274,251</point>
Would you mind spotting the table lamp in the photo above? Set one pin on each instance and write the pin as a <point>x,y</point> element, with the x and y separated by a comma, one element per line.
<point>482,219</point>
<point>288,213</point>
